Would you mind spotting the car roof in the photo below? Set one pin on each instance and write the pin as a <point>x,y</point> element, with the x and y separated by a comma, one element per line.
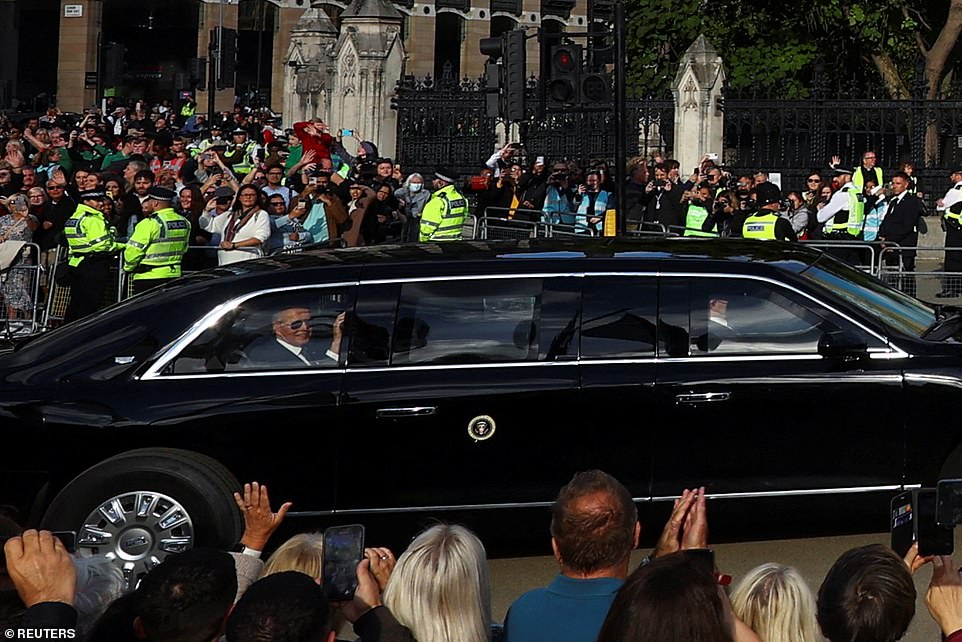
<point>656,249</point>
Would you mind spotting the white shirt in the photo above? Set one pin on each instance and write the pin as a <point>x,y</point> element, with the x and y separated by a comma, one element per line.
<point>838,203</point>
<point>259,227</point>
<point>953,196</point>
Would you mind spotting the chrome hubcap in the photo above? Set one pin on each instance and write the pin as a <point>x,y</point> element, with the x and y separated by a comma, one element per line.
<point>136,530</point>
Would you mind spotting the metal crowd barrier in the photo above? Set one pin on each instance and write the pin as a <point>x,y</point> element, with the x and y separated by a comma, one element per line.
<point>537,226</point>
<point>859,254</point>
<point>648,228</point>
<point>926,281</point>
<point>20,292</point>
<point>58,296</point>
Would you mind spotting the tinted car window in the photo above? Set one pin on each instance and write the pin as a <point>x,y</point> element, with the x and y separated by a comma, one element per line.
<point>894,308</point>
<point>736,316</point>
<point>277,331</point>
<point>619,316</point>
<point>471,321</point>
<point>372,324</point>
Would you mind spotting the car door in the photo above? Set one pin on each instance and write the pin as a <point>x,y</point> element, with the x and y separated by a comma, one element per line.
<point>618,337</point>
<point>460,392</point>
<point>235,391</point>
<point>746,404</point>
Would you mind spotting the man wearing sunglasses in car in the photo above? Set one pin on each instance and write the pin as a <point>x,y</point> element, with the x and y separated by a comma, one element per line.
<point>291,344</point>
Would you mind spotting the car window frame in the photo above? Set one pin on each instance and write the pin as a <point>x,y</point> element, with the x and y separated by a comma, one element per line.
<point>218,312</point>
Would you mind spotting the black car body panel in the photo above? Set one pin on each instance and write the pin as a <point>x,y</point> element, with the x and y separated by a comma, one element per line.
<point>609,362</point>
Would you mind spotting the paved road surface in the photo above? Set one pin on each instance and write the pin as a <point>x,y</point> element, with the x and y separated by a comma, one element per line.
<point>812,557</point>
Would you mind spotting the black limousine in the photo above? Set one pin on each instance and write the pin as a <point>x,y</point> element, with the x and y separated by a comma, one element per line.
<point>484,374</point>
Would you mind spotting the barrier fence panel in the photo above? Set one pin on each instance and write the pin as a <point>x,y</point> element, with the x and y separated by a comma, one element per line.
<point>856,253</point>
<point>20,290</point>
<point>935,286</point>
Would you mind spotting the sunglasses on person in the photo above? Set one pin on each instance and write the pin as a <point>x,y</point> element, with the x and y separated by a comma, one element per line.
<point>55,186</point>
<point>814,180</point>
<point>297,324</point>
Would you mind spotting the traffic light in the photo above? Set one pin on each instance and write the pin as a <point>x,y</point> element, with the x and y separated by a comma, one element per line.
<point>515,66</point>
<point>504,75</point>
<point>226,43</point>
<point>595,90</point>
<point>564,76</point>
<point>113,64</point>
<point>492,89</point>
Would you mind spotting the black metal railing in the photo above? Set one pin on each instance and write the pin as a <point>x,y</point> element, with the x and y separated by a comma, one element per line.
<point>445,123</point>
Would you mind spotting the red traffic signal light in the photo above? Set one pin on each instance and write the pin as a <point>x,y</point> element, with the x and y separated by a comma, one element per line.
<point>564,80</point>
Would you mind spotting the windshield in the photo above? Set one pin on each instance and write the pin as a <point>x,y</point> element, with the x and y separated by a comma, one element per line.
<point>895,309</point>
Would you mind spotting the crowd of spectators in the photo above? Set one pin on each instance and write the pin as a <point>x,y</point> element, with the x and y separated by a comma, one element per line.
<point>438,589</point>
<point>708,201</point>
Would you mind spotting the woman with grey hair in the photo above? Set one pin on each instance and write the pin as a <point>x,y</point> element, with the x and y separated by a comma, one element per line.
<point>412,197</point>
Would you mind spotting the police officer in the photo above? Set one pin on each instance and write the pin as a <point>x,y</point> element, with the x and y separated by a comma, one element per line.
<point>951,208</point>
<point>766,223</point>
<point>697,213</point>
<point>844,214</point>
<point>844,217</point>
<point>93,248</point>
<point>241,155</point>
<point>444,213</point>
<point>157,246</point>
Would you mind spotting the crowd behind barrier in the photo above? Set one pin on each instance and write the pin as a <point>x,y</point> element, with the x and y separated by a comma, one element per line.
<point>321,186</point>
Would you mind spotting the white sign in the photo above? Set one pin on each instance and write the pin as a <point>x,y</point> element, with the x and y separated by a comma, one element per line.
<point>776,178</point>
<point>73,11</point>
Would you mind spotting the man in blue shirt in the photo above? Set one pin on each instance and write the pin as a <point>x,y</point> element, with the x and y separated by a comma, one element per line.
<point>594,528</point>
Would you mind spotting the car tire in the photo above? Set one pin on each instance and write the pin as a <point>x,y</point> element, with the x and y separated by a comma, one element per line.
<point>140,506</point>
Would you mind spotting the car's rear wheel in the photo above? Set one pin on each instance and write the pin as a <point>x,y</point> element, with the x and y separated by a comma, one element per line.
<point>142,505</point>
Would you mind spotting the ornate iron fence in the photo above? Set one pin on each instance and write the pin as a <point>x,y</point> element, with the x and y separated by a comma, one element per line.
<point>795,137</point>
<point>445,123</point>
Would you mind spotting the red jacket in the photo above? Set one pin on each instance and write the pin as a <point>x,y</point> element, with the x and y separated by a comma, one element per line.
<point>320,144</point>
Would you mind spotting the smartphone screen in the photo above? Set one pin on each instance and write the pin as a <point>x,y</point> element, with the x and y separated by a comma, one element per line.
<point>933,539</point>
<point>949,501</point>
<point>343,548</point>
<point>902,523</point>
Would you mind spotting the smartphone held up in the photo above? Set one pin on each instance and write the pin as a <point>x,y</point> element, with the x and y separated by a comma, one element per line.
<point>927,516</point>
<point>343,550</point>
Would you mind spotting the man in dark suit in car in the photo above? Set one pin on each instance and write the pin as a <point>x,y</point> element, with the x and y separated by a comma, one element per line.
<point>291,343</point>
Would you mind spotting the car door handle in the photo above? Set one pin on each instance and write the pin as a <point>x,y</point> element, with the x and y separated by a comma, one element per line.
<point>705,397</point>
<point>416,411</point>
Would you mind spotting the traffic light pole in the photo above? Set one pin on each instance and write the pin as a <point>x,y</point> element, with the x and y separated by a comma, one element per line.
<point>619,113</point>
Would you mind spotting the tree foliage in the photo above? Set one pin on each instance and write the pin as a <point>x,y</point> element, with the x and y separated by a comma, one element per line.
<point>776,47</point>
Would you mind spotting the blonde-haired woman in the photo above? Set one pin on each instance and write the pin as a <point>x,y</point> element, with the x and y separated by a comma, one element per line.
<point>776,603</point>
<point>303,552</point>
<point>438,591</point>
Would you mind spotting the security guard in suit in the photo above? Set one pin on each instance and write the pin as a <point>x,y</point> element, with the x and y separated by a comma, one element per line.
<point>442,218</point>
<point>154,251</point>
<point>93,248</point>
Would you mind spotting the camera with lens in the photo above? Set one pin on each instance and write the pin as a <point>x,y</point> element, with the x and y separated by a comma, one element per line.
<point>785,205</point>
<point>558,177</point>
<point>660,183</point>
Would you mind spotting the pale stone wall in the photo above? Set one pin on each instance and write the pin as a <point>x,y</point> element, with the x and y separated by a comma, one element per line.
<point>77,55</point>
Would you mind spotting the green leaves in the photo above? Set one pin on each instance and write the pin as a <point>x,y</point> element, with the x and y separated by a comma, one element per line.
<point>775,45</point>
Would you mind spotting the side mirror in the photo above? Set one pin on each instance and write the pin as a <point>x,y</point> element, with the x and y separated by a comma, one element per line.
<point>842,344</point>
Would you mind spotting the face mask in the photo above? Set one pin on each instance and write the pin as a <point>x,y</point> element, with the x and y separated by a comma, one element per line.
<point>415,187</point>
